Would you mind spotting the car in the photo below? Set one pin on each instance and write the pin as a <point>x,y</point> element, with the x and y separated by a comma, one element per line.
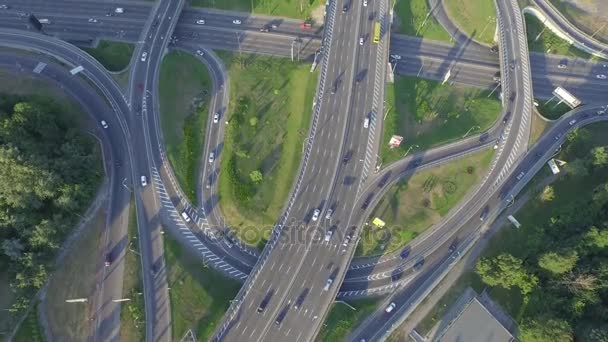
<point>119,10</point>
<point>494,49</point>
<point>4,7</point>
<point>347,238</point>
<point>334,89</point>
<point>274,26</point>
<point>229,241</point>
<point>361,40</point>
<point>300,299</point>
<point>364,3</point>
<point>367,201</point>
<point>344,8</point>
<point>512,66</point>
<point>329,213</point>
<point>200,22</point>
<point>366,122</point>
<point>282,314</point>
<point>236,22</point>
<point>315,214</point>
<point>506,118</point>
<point>484,213</point>
<point>347,157</point>
<point>561,66</point>
<point>600,112</point>
<point>453,246</point>
<point>92,20</point>
<point>104,124</point>
<point>418,265</point>
<point>144,181</point>
<point>396,57</point>
<point>520,175</point>
<point>216,117</point>
<point>211,157</point>
<point>200,52</point>
<point>496,77</point>
<point>328,284</point>
<point>600,76</point>
<point>109,14</point>
<point>44,21</point>
<point>559,135</point>
<point>144,55</point>
<point>572,122</point>
<point>305,26</point>
<point>390,307</point>
<point>372,16</point>
<point>405,252</point>
<point>108,261</point>
<point>328,235</point>
<point>185,216</point>
<point>264,29</point>
<point>265,301</point>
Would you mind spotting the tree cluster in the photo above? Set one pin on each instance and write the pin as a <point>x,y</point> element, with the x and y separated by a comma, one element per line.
<point>561,267</point>
<point>49,171</point>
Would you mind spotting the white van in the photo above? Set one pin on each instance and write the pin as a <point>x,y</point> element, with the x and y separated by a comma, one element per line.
<point>119,10</point>
<point>185,216</point>
<point>366,122</point>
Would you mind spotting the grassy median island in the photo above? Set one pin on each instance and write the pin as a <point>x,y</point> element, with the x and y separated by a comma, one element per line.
<point>185,93</point>
<point>283,8</point>
<point>415,204</point>
<point>199,295</point>
<point>269,117</point>
<point>475,18</point>
<point>115,56</point>
<point>427,113</point>
<point>414,20</point>
<point>342,319</point>
<point>548,42</point>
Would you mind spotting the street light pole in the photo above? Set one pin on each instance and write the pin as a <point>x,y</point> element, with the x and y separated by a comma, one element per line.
<point>469,131</point>
<point>345,303</point>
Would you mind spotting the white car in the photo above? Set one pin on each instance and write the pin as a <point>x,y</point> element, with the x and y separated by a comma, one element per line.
<point>572,122</point>
<point>144,181</point>
<point>185,216</point>
<point>328,235</point>
<point>390,307</point>
<point>315,214</point>
<point>364,3</point>
<point>329,213</point>
<point>92,20</point>
<point>366,123</point>
<point>396,57</point>
<point>236,22</point>
<point>361,40</point>
<point>600,76</point>
<point>104,124</point>
<point>216,117</point>
<point>200,52</point>
<point>144,55</point>
<point>211,157</point>
<point>200,22</point>
<point>328,284</point>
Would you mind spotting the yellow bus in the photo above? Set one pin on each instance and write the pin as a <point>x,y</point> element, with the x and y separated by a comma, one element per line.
<point>377,32</point>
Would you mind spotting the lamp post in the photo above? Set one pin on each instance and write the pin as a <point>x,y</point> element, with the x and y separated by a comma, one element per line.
<point>345,303</point>
<point>469,131</point>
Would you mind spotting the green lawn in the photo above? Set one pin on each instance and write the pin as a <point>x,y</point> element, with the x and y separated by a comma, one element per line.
<point>282,8</point>
<point>427,113</point>
<point>415,204</point>
<point>548,41</point>
<point>132,320</point>
<point>199,296</point>
<point>113,55</point>
<point>588,22</point>
<point>475,18</point>
<point>415,21</point>
<point>341,319</point>
<point>30,330</point>
<point>185,92</point>
<point>552,110</point>
<point>269,117</point>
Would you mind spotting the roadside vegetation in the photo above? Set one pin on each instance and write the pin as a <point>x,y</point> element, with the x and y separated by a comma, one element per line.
<point>552,110</point>
<point>43,144</point>
<point>197,302</point>
<point>414,20</point>
<point>591,22</point>
<point>185,93</point>
<point>427,113</point>
<point>30,330</point>
<point>548,42</point>
<point>415,204</point>
<point>342,319</point>
<point>269,117</point>
<point>475,18</point>
<point>551,275</point>
<point>132,316</point>
<point>115,56</point>
<point>302,9</point>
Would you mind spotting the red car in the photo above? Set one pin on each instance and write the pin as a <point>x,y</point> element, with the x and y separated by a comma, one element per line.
<point>305,26</point>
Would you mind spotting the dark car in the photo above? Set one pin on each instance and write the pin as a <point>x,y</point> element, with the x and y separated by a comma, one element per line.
<point>453,246</point>
<point>372,15</point>
<point>108,262</point>
<point>301,299</point>
<point>281,315</point>
<point>347,157</point>
<point>265,301</point>
<point>506,118</point>
<point>367,201</point>
<point>344,8</point>
<point>418,265</point>
<point>405,252</point>
<point>484,213</point>
<point>384,179</point>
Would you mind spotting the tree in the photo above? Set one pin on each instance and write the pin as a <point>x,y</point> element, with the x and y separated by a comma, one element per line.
<point>558,263</point>
<point>506,271</point>
<point>12,248</point>
<point>256,176</point>
<point>597,238</point>
<point>548,194</point>
<point>546,330</point>
<point>599,156</point>
<point>577,168</point>
<point>597,334</point>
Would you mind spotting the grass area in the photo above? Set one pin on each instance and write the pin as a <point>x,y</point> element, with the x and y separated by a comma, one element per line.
<point>341,319</point>
<point>539,126</point>
<point>199,296</point>
<point>552,110</point>
<point>548,42</point>
<point>132,320</point>
<point>413,205</point>
<point>588,22</point>
<point>76,278</point>
<point>6,297</point>
<point>475,18</point>
<point>269,117</point>
<point>427,113</point>
<point>185,92</point>
<point>415,21</point>
<point>283,8</point>
<point>30,330</point>
<point>114,56</point>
